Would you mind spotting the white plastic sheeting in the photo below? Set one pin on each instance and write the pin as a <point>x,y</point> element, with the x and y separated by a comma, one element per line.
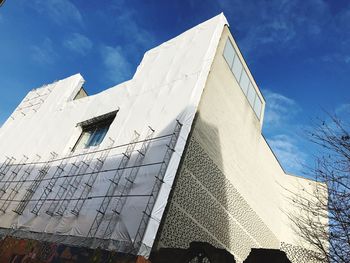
<point>166,87</point>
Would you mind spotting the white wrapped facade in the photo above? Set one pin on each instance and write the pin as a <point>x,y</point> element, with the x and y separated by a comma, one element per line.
<point>97,171</point>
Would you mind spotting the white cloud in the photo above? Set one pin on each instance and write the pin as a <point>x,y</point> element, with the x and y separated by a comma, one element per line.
<point>129,29</point>
<point>288,153</point>
<point>283,131</point>
<point>279,109</point>
<point>78,43</point>
<point>343,110</point>
<point>336,57</point>
<point>44,53</point>
<point>117,67</point>
<point>60,11</point>
<point>140,36</point>
<point>281,22</point>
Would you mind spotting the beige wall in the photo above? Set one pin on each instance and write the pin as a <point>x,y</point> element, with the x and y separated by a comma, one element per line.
<point>230,190</point>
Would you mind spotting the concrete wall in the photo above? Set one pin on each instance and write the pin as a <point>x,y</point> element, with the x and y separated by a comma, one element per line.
<point>230,190</point>
<point>164,92</point>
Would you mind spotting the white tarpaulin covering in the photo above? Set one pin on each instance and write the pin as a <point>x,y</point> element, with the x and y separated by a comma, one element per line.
<point>166,87</point>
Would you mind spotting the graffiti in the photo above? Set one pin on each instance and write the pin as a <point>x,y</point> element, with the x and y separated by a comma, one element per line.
<point>14,250</point>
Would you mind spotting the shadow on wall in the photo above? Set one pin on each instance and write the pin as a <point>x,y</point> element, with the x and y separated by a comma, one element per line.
<point>204,205</point>
<point>95,187</point>
<point>199,252</point>
<point>196,207</point>
<point>204,208</point>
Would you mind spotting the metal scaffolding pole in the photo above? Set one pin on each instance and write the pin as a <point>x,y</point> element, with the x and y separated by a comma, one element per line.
<point>156,188</point>
<point>5,166</point>
<point>79,166</point>
<point>13,175</point>
<point>18,185</point>
<point>119,202</point>
<point>76,181</point>
<point>35,185</point>
<point>49,186</point>
<point>112,187</point>
<point>88,184</point>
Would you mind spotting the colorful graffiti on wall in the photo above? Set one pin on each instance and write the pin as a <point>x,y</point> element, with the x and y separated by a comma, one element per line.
<point>14,250</point>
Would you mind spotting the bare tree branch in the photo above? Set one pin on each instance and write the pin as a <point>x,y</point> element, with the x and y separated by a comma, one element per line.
<point>324,218</point>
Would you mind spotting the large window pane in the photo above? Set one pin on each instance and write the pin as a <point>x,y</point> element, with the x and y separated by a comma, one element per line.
<point>244,83</point>
<point>97,137</point>
<point>237,68</point>
<point>82,142</point>
<point>258,106</point>
<point>229,53</point>
<point>251,95</point>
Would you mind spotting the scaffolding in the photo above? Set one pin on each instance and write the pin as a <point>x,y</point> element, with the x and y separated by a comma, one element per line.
<point>87,186</point>
<point>34,185</point>
<point>33,104</point>
<point>119,202</point>
<point>18,185</point>
<point>75,183</point>
<point>113,186</point>
<point>16,170</point>
<point>81,171</point>
<point>156,188</point>
<point>5,166</point>
<point>79,166</point>
<point>48,188</point>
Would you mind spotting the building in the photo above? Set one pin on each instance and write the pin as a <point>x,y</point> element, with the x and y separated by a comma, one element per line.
<point>172,156</point>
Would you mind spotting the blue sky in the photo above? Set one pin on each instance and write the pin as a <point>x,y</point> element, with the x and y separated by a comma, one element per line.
<point>298,52</point>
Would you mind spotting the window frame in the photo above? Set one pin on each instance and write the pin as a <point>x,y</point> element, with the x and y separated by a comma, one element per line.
<point>250,82</point>
<point>93,126</point>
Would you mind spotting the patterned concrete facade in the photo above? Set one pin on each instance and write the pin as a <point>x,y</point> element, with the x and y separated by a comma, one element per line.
<point>229,190</point>
<point>207,207</point>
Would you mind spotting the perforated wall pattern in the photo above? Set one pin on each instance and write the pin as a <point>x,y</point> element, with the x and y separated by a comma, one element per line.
<point>206,207</point>
<point>300,255</point>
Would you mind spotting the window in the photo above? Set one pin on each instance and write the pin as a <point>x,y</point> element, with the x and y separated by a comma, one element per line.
<point>245,83</point>
<point>229,53</point>
<point>251,95</point>
<point>236,67</point>
<point>258,106</point>
<point>94,131</point>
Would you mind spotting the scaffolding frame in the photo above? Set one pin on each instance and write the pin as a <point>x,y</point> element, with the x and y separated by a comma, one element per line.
<point>18,185</point>
<point>49,186</point>
<point>114,182</point>
<point>147,213</point>
<point>16,170</point>
<point>112,202</point>
<point>80,164</point>
<point>120,201</point>
<point>89,183</point>
<point>34,185</point>
<point>5,166</point>
<point>76,181</point>
<point>114,147</point>
<point>33,103</point>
